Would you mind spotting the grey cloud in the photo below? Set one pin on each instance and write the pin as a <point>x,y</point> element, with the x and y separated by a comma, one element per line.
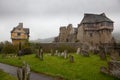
<point>57,7</point>
<point>48,15</point>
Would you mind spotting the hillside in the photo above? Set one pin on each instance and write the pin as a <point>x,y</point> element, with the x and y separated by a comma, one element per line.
<point>47,40</point>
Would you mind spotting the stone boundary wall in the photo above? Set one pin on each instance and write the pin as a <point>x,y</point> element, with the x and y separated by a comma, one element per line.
<point>71,47</point>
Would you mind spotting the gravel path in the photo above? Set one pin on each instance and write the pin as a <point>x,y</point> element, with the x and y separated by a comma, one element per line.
<point>13,70</point>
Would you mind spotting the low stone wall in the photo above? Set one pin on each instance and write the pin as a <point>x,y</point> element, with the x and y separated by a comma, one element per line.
<point>71,47</point>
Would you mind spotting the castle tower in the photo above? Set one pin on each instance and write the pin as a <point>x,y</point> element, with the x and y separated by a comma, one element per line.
<point>19,34</point>
<point>95,29</point>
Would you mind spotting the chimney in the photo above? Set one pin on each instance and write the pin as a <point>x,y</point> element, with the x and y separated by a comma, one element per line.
<point>21,25</point>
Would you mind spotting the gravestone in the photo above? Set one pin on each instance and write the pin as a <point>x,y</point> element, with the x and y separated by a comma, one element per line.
<point>52,52</point>
<point>84,50</point>
<point>41,54</point>
<point>96,51</point>
<point>24,73</point>
<point>102,53</point>
<point>114,55</point>
<point>56,52</point>
<point>37,53</point>
<point>71,58</point>
<point>62,54</point>
<point>59,54</point>
<point>20,54</point>
<point>84,53</point>
<point>104,69</point>
<point>113,69</point>
<point>65,54</point>
<point>78,51</point>
<point>102,56</point>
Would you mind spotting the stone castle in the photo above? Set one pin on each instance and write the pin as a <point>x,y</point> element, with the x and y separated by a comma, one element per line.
<point>19,34</point>
<point>94,29</point>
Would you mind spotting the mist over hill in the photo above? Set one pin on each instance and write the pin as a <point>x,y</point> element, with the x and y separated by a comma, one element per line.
<point>116,35</point>
<point>46,40</point>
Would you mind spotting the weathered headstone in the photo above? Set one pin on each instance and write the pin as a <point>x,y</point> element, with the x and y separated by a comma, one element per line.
<point>62,54</point>
<point>71,58</point>
<point>104,69</point>
<point>41,54</point>
<point>20,54</point>
<point>37,53</point>
<point>96,51</point>
<point>113,69</point>
<point>65,54</point>
<point>59,54</point>
<point>52,52</point>
<point>24,73</point>
<point>78,51</point>
<point>19,74</point>
<point>56,52</point>
<point>84,53</point>
<point>114,55</point>
<point>102,55</point>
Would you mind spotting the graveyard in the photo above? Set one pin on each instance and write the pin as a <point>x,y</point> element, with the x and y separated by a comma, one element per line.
<point>59,40</point>
<point>84,68</point>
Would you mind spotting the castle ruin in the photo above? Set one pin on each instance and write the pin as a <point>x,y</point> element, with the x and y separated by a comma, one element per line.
<point>94,29</point>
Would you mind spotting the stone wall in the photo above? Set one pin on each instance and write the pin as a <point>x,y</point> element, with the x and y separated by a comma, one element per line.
<point>71,47</point>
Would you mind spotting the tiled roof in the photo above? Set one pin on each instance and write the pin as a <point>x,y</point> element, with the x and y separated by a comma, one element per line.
<point>94,18</point>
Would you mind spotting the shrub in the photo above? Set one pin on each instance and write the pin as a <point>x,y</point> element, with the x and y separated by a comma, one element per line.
<point>1,46</point>
<point>8,48</point>
<point>26,51</point>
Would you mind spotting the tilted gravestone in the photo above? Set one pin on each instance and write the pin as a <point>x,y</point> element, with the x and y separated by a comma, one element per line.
<point>24,73</point>
<point>65,54</point>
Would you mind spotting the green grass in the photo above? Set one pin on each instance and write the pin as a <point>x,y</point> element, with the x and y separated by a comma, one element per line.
<point>5,76</point>
<point>84,68</point>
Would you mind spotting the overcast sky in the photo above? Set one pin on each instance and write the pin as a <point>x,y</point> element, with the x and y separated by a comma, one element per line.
<point>44,17</point>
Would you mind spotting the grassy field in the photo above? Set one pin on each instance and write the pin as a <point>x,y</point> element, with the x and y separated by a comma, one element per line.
<point>5,76</point>
<point>84,68</point>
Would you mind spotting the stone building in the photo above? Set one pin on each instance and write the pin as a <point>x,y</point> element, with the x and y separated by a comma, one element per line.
<point>19,34</point>
<point>67,34</point>
<point>93,29</point>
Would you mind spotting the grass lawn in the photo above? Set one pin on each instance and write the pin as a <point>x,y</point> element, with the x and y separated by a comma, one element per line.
<point>84,68</point>
<point>5,76</point>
